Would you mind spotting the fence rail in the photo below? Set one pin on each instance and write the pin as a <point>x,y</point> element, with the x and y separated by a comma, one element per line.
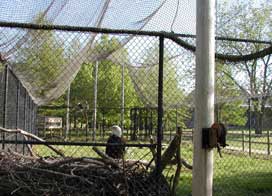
<point>242,140</point>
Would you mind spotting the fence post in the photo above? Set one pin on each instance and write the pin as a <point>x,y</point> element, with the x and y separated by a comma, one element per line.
<point>204,96</point>
<point>25,118</point>
<point>67,127</point>
<point>95,101</point>
<point>17,112</point>
<point>268,142</point>
<point>176,121</point>
<point>123,97</point>
<point>160,104</point>
<point>5,103</point>
<point>249,127</point>
<point>243,139</point>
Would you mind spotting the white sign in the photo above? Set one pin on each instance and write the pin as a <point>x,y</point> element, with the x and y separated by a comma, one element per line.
<point>53,122</point>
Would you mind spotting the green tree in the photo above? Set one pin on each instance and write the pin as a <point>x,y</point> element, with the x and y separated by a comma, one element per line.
<point>108,85</point>
<point>248,20</point>
<point>145,79</point>
<point>229,99</point>
<point>40,60</point>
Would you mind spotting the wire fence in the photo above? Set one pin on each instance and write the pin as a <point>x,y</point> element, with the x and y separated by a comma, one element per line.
<point>87,80</point>
<point>18,111</point>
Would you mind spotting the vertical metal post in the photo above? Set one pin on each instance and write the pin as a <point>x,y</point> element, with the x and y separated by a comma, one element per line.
<point>176,121</point>
<point>160,104</point>
<point>17,112</point>
<point>123,98</point>
<point>243,139</point>
<point>35,118</point>
<point>103,123</point>
<point>249,126</point>
<point>67,128</point>
<point>268,143</point>
<point>29,114</point>
<point>5,103</point>
<point>95,100</point>
<point>25,118</point>
<point>204,100</point>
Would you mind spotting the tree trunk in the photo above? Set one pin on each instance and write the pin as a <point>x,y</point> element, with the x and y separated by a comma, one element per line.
<point>259,115</point>
<point>259,123</point>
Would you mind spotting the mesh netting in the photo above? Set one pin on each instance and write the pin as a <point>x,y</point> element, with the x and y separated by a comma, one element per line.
<point>27,50</point>
<point>91,65</point>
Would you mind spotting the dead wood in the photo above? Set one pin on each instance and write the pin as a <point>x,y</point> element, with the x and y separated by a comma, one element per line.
<point>30,148</point>
<point>170,151</point>
<point>106,159</point>
<point>25,175</point>
<point>29,135</point>
<point>182,162</point>
<point>177,173</point>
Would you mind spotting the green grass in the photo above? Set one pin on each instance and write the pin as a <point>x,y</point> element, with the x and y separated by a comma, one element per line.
<point>234,175</point>
<point>257,142</point>
<point>239,175</point>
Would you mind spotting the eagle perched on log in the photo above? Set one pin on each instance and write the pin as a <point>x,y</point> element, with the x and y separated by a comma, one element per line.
<point>115,144</point>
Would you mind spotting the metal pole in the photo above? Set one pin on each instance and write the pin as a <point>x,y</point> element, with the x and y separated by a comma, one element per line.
<point>25,117</point>
<point>268,142</point>
<point>204,100</point>
<point>243,140</point>
<point>95,100</point>
<point>17,111</point>
<point>5,104</point>
<point>249,127</point>
<point>176,121</point>
<point>122,99</point>
<point>160,105</point>
<point>67,128</point>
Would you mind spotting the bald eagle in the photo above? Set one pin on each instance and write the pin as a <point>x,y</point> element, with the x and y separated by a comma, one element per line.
<point>115,144</point>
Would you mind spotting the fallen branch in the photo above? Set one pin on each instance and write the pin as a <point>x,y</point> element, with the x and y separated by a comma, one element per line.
<point>27,134</point>
<point>22,156</point>
<point>182,161</point>
<point>177,173</point>
<point>105,158</point>
<point>131,162</point>
<point>170,151</point>
<point>30,148</point>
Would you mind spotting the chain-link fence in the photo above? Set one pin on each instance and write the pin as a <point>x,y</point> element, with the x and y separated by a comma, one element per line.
<point>18,111</point>
<point>86,80</point>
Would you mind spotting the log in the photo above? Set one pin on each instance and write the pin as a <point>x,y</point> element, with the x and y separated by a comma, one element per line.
<point>106,159</point>
<point>27,134</point>
<point>177,173</point>
<point>132,162</point>
<point>183,162</point>
<point>21,155</point>
<point>170,151</point>
<point>30,148</point>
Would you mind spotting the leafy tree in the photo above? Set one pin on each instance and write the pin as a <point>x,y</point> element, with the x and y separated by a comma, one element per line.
<point>40,60</point>
<point>146,84</point>
<point>248,20</point>
<point>109,83</point>
<point>229,109</point>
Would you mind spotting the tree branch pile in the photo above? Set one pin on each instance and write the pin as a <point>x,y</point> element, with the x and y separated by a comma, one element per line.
<point>34,175</point>
<point>26,175</point>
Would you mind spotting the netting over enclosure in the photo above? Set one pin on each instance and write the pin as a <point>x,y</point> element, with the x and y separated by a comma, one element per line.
<point>80,67</point>
<point>69,50</point>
